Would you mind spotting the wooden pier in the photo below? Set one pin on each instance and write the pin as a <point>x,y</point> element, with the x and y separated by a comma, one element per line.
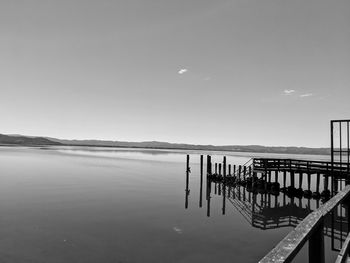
<point>283,175</point>
<point>297,179</point>
<point>302,166</point>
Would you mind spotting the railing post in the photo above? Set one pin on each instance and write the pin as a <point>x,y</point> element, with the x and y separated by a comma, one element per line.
<point>316,244</point>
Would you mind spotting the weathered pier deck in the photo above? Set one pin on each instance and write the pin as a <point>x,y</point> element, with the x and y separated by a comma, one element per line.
<point>302,166</point>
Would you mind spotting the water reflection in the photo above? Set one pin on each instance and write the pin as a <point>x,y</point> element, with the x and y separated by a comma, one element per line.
<point>272,210</point>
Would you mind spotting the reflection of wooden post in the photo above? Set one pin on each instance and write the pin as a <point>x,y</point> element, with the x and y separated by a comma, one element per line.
<point>276,204</point>
<point>223,199</point>
<point>208,197</point>
<point>276,176</point>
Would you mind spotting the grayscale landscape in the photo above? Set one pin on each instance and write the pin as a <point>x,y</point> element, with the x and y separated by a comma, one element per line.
<point>148,131</point>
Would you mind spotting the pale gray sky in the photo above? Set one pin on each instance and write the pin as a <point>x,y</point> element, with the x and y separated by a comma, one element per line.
<point>269,72</point>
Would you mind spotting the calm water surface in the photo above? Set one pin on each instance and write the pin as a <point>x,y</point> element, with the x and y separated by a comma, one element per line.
<point>86,204</point>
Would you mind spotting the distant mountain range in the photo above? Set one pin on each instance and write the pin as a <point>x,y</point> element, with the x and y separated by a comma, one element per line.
<point>36,141</point>
<point>25,140</point>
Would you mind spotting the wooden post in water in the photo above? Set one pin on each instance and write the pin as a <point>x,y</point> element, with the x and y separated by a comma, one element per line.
<point>239,171</point>
<point>300,180</point>
<point>210,165</point>
<point>292,179</point>
<point>318,183</point>
<point>187,163</point>
<point>244,171</point>
<point>224,167</point>
<point>308,181</point>
<point>219,168</point>
<point>325,182</point>
<point>276,176</point>
<point>229,169</point>
<point>187,179</point>
<point>216,168</point>
<point>201,162</point>
<point>208,162</point>
<point>284,178</point>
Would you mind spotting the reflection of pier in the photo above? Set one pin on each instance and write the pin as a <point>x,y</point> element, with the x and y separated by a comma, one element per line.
<point>268,211</point>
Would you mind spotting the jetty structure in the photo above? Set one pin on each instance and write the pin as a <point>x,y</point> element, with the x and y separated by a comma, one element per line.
<point>325,181</point>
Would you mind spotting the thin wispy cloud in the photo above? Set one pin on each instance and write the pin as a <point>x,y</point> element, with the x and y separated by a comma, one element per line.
<point>177,230</point>
<point>182,71</point>
<point>288,91</point>
<point>306,95</point>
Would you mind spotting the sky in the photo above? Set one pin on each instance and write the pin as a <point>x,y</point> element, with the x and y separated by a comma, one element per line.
<point>224,72</point>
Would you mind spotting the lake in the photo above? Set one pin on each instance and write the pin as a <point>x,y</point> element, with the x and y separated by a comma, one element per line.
<point>93,204</point>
